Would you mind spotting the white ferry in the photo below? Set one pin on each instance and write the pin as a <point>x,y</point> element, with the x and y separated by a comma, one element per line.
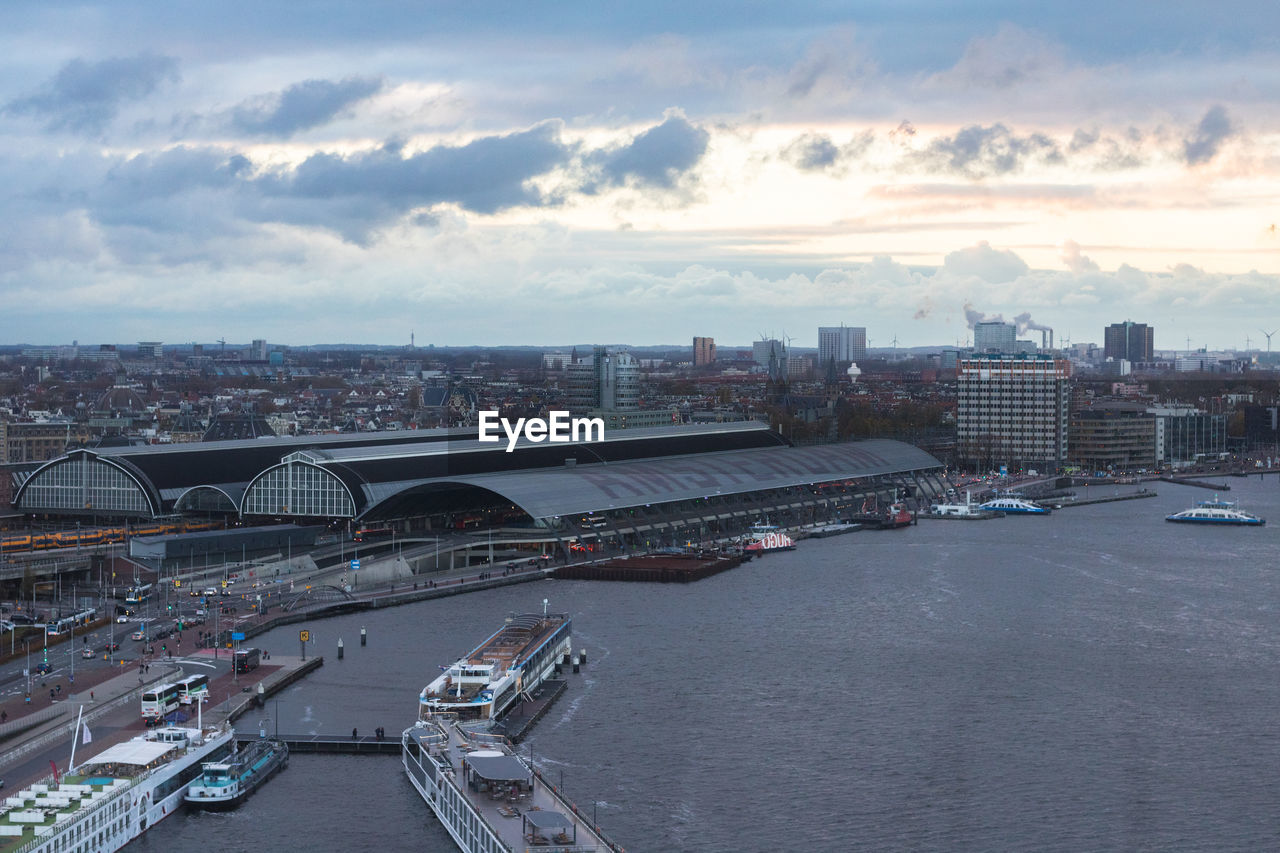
<point>1014,506</point>
<point>512,662</point>
<point>1216,512</point>
<point>113,797</point>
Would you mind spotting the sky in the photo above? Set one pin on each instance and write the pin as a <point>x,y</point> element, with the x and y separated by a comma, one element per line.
<point>544,174</point>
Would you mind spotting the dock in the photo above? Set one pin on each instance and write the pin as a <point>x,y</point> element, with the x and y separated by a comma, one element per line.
<point>1063,503</point>
<point>516,724</point>
<point>333,744</point>
<point>655,568</point>
<point>1199,484</point>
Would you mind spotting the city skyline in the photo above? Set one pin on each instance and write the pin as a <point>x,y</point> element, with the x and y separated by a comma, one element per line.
<point>533,176</point>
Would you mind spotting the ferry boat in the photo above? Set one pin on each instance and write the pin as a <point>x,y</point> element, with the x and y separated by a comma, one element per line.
<point>1216,512</point>
<point>968,509</point>
<point>225,784</point>
<point>1014,506</point>
<point>511,662</point>
<point>113,797</point>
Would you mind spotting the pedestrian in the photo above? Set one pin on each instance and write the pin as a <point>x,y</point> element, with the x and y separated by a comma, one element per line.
<point>354,735</point>
<point>4,716</point>
<point>90,695</point>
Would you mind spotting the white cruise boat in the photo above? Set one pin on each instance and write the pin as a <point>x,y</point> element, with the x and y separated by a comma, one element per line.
<point>1014,506</point>
<point>513,661</point>
<point>1216,512</point>
<point>111,798</point>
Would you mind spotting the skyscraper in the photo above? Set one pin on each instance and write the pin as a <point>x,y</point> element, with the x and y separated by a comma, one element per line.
<point>842,344</point>
<point>1012,410</point>
<point>1129,340</point>
<point>704,351</point>
<point>994,336</point>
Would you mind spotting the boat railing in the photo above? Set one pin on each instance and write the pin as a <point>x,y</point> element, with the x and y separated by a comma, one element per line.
<point>39,840</point>
<point>569,806</point>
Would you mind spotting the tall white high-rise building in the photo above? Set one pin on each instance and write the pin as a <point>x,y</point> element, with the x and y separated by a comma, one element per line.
<point>842,344</point>
<point>1013,410</point>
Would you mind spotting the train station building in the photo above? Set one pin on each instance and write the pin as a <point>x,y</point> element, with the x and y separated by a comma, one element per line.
<point>634,487</point>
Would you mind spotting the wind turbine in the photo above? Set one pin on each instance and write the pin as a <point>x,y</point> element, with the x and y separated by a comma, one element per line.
<point>1269,334</point>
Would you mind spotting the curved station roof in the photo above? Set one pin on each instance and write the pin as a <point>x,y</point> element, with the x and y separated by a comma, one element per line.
<point>383,475</point>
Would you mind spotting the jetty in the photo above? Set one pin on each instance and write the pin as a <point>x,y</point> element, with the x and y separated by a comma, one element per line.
<point>654,568</point>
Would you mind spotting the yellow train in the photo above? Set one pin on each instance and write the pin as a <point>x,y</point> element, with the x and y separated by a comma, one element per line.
<point>15,542</point>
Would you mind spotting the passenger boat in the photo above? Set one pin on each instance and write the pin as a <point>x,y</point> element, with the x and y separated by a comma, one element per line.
<point>225,784</point>
<point>1216,512</point>
<point>968,509</point>
<point>1014,506</point>
<point>511,662</point>
<point>487,798</point>
<point>768,542</point>
<point>112,798</point>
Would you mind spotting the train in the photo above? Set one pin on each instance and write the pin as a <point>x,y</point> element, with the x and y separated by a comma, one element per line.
<point>32,541</point>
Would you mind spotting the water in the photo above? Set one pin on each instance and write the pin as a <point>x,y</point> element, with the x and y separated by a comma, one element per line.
<point>1095,680</point>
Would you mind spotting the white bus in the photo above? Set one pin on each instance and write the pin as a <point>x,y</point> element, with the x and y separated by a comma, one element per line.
<point>193,688</point>
<point>160,701</point>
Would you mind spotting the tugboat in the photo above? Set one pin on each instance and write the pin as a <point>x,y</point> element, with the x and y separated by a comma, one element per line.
<point>223,785</point>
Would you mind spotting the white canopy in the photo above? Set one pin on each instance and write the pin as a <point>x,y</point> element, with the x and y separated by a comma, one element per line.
<point>137,752</point>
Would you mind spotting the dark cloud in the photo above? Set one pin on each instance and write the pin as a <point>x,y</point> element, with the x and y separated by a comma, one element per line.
<point>658,157</point>
<point>816,152</point>
<point>1214,129</point>
<point>84,97</point>
<point>303,106</point>
<point>977,151</point>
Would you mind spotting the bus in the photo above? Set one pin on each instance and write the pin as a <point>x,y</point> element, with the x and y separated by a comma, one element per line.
<point>364,534</point>
<point>138,594</point>
<point>159,702</point>
<point>193,688</point>
<point>247,659</point>
<point>65,624</point>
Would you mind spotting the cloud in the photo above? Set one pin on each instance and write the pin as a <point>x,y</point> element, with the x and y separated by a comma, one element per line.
<point>817,152</point>
<point>1075,261</point>
<point>84,97</point>
<point>978,152</point>
<point>1203,144</point>
<point>659,157</point>
<point>302,106</point>
<point>982,261</point>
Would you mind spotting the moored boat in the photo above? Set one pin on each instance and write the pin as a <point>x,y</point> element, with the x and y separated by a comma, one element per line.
<point>228,783</point>
<point>487,798</point>
<point>1216,512</point>
<point>769,542</point>
<point>113,797</point>
<point>510,663</point>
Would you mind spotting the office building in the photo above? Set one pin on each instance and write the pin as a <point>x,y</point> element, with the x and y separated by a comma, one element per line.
<point>770,354</point>
<point>1012,410</point>
<point>1113,436</point>
<point>150,349</point>
<point>704,351</point>
<point>994,336</point>
<point>1131,341</point>
<point>843,344</point>
<point>606,380</point>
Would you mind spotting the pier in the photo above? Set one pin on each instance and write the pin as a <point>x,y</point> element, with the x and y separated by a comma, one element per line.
<point>1199,484</point>
<point>333,744</point>
<point>1063,503</point>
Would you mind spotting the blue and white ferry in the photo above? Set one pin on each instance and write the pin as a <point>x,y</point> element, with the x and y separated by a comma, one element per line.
<point>1014,506</point>
<point>1216,512</point>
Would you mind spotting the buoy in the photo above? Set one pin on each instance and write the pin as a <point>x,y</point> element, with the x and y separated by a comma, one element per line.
<point>339,648</point>
<point>364,636</point>
<point>582,655</point>
<point>575,665</point>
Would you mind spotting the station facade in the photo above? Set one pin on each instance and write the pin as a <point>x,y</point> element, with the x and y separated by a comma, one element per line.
<point>634,488</point>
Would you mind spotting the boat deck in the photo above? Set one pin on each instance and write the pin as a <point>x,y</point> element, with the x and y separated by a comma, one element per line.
<point>516,639</point>
<point>531,819</point>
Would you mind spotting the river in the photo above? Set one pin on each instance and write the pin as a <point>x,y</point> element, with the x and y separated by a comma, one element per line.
<point>1097,679</point>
